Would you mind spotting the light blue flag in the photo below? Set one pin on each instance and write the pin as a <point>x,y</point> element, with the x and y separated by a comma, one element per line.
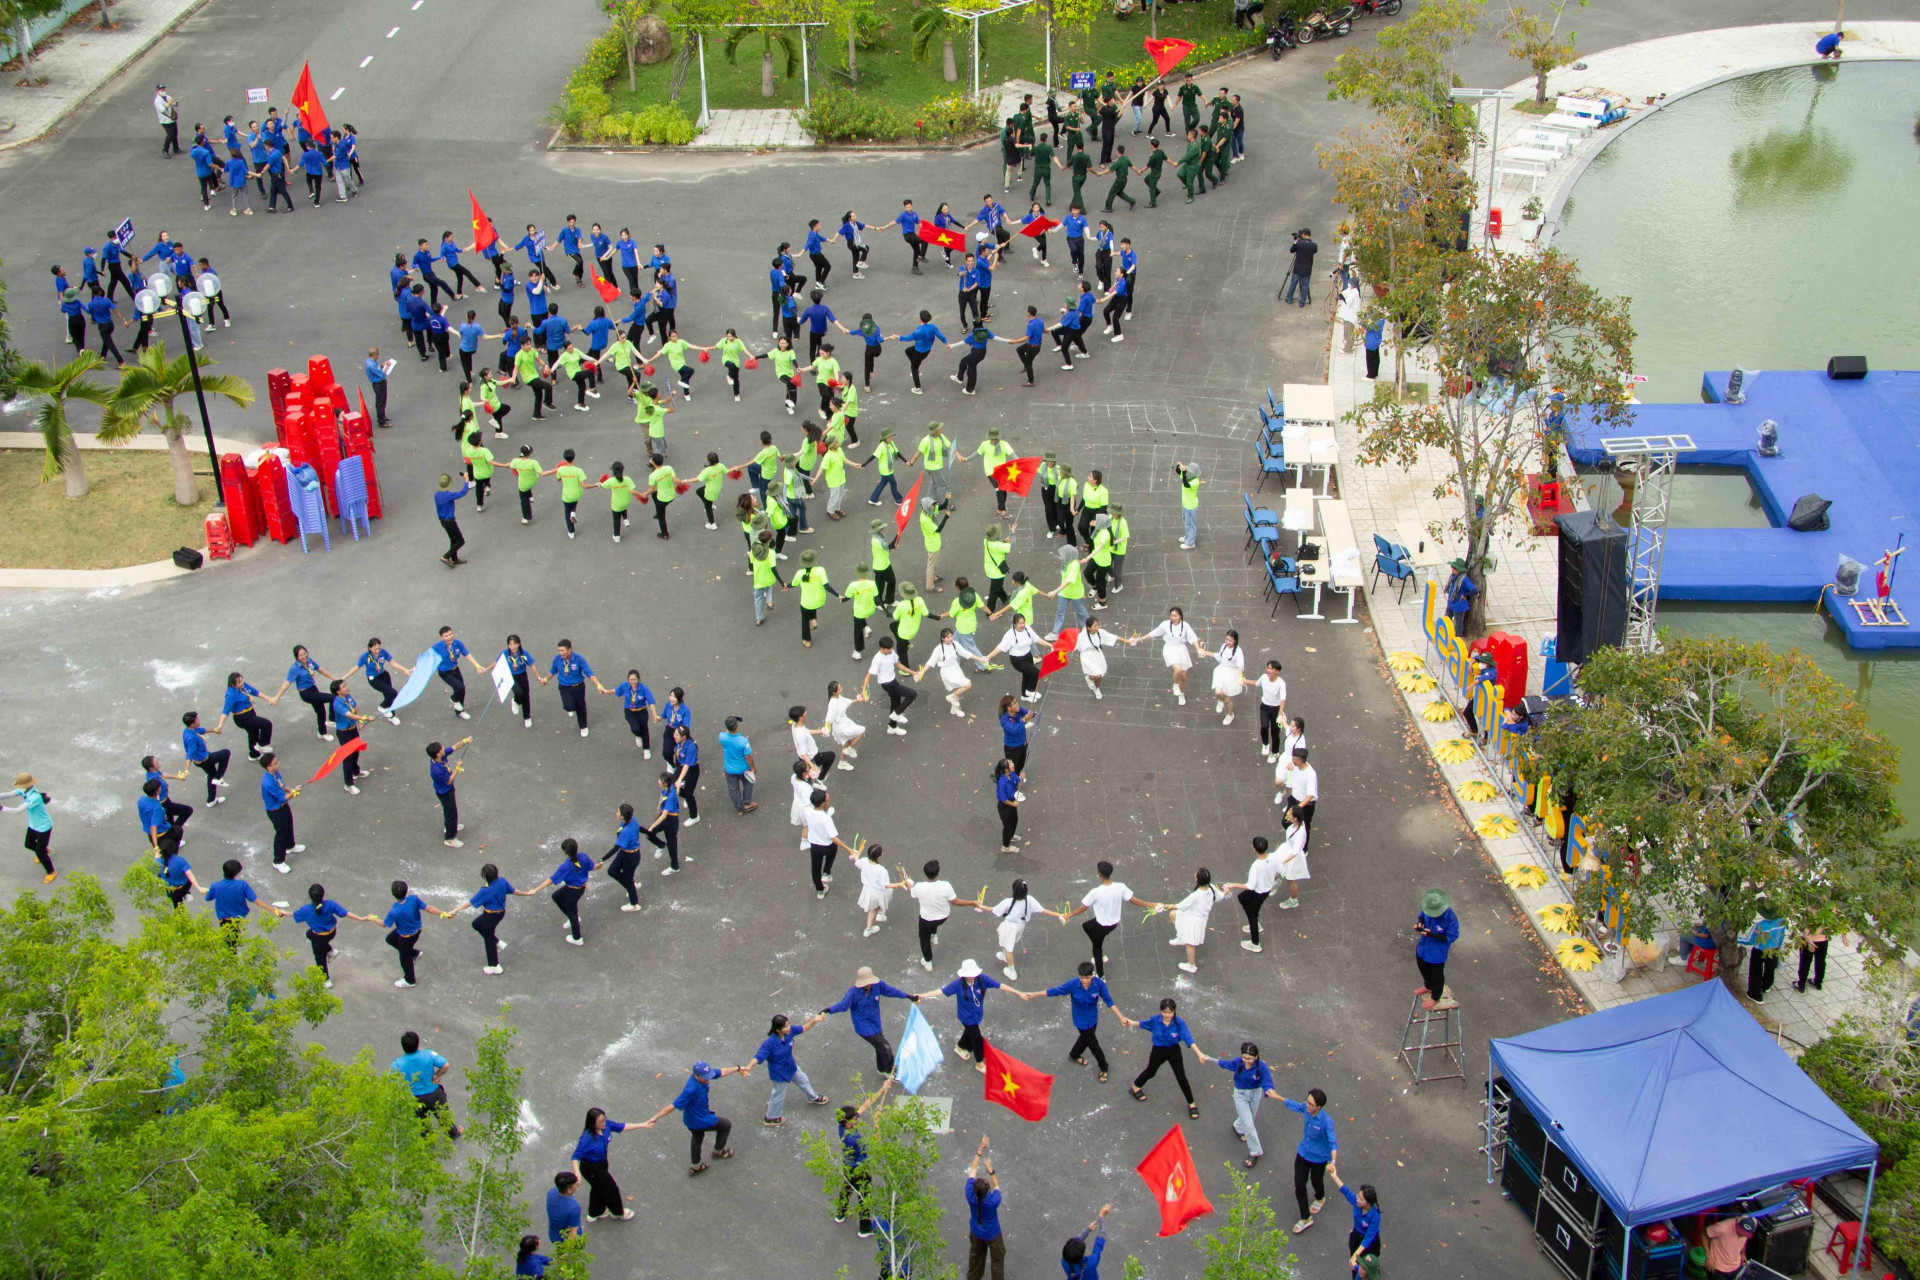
<point>423,668</point>
<point>920,1054</point>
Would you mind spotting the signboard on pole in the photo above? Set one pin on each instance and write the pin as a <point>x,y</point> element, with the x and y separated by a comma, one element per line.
<point>256,95</point>
<point>123,234</point>
<point>1078,80</point>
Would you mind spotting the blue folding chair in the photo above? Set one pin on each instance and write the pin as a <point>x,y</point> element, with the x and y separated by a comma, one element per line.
<point>1259,518</point>
<point>1273,460</point>
<point>1283,580</point>
<point>1274,404</point>
<point>1381,547</point>
<point>1399,570</point>
<point>1263,537</point>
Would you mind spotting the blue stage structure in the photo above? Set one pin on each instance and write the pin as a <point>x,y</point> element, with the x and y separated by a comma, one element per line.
<point>1855,443</point>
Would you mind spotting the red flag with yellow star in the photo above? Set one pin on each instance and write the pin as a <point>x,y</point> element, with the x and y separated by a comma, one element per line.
<point>1062,651</point>
<point>1015,475</point>
<point>484,236</point>
<point>1016,1086</point>
<point>1169,1174</point>
<point>306,100</point>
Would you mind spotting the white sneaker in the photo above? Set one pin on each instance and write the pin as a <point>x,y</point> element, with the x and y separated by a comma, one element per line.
<point>401,982</point>
<point>1288,905</point>
<point>219,800</point>
<point>1106,328</point>
<point>326,737</point>
<point>1013,974</point>
<point>526,724</point>
<point>896,731</point>
<point>852,754</point>
<point>1118,337</point>
<point>661,853</point>
<point>844,765</point>
<point>927,965</point>
<point>1250,946</point>
<point>870,930</point>
<point>629,906</point>
<point>1097,695</point>
<point>299,848</point>
<point>881,918</point>
<point>353,791</point>
<point>464,716</point>
<point>578,942</point>
<point>454,844</point>
<point>583,733</point>
<point>492,968</point>
<point>692,822</point>
<point>646,753</point>
<point>328,984</point>
<point>1274,758</point>
<point>282,868</point>
<point>1229,719</point>
<point>957,711</point>
<point>1180,697</point>
<point>1184,966</point>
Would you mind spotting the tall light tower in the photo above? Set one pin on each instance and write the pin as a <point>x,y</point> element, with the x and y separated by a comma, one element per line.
<point>1652,459</point>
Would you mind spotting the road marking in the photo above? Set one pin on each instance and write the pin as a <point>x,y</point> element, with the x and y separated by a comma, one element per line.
<point>364,61</point>
<point>336,93</point>
<point>391,34</point>
<point>418,3</point>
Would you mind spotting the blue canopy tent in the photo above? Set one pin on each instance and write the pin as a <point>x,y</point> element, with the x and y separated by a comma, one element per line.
<point>1661,1103</point>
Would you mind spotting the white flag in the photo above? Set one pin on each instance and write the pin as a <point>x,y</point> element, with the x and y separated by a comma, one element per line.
<point>502,678</point>
<point>920,1054</point>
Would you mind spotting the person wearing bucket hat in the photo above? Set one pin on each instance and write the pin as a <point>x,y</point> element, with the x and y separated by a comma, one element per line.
<point>1190,483</point>
<point>993,452</point>
<point>969,992</point>
<point>1460,589</point>
<point>933,453</point>
<point>965,612</point>
<point>1439,929</point>
<point>883,456</point>
<point>1049,489</point>
<point>697,1113</point>
<point>862,1003</point>
<point>76,313</point>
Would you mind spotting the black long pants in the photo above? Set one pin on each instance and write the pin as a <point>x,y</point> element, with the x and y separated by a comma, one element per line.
<point>314,181</point>
<point>1097,935</point>
<point>108,344</point>
<point>689,789</point>
<point>918,248</point>
<point>1353,1243</point>
<point>320,703</point>
<point>882,1052</point>
<point>1088,1041</point>
<point>408,947</point>
<point>449,813</point>
<point>277,184</point>
<point>604,1193</point>
<point>1271,739</point>
<point>1167,1055</point>
<point>486,924</point>
<point>461,276</point>
<point>1760,970</point>
<point>259,730</point>
<point>215,767</point>
<point>322,944</point>
<point>720,1131</point>
<point>349,767</point>
<point>382,684</point>
<point>1306,820</point>
<point>77,331</point>
<point>969,307</point>
<point>887,584</point>
<point>1434,975</point>
<point>117,276</point>
<point>39,844</point>
<point>927,929</point>
<point>822,856</point>
<point>456,682</point>
<point>971,1041</point>
<point>1026,351</point>
<point>821,267</point>
<point>899,697</point>
<point>1009,823</point>
<point>970,366</point>
<point>283,841</point>
<point>573,699</point>
<point>1018,755</point>
<point>996,592</point>
<point>567,898</point>
<point>660,506</point>
<point>1303,1170</point>
<point>915,358</point>
<point>1251,902</point>
<point>639,724</point>
<point>1029,672</point>
<point>668,838</point>
<point>853,1194</point>
<point>621,865</point>
<point>1115,309</point>
<point>523,688</point>
<point>1814,957</point>
<point>455,539</point>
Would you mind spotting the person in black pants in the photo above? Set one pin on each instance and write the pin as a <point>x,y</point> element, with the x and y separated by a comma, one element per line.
<point>1006,794</point>
<point>664,831</point>
<point>590,1152</point>
<point>699,1117</point>
<point>1170,1034</point>
<point>568,882</point>
<point>686,760</point>
<point>177,813</point>
<point>1255,891</point>
<point>239,706</point>
<point>1813,958</point>
<point>442,777</point>
<point>1027,350</point>
<point>623,859</point>
<point>212,763</point>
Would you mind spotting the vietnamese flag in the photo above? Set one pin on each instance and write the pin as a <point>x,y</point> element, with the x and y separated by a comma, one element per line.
<point>1166,54</point>
<point>1062,650</point>
<point>1038,227</point>
<point>340,753</point>
<point>904,512</point>
<point>1016,1086</point>
<point>306,100</point>
<point>941,237</point>
<point>484,236</point>
<point>1169,1174</point>
<point>1015,475</point>
<point>609,290</point>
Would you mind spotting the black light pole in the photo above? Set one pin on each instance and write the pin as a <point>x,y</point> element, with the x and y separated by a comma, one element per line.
<point>162,285</point>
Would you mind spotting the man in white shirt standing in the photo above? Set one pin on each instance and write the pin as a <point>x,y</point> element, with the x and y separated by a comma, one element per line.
<point>1262,875</point>
<point>935,898</point>
<point>1105,900</point>
<point>168,112</point>
<point>1303,785</point>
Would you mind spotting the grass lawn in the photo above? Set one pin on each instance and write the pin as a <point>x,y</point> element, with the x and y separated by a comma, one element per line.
<point>1013,46</point>
<point>128,518</point>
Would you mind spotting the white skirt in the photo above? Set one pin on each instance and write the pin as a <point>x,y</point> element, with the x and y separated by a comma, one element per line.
<point>1176,655</point>
<point>1295,867</point>
<point>871,898</point>
<point>845,731</point>
<point>797,812</point>
<point>1190,927</point>
<point>1093,662</point>
<point>1008,934</point>
<point>952,677</point>
<point>1228,681</point>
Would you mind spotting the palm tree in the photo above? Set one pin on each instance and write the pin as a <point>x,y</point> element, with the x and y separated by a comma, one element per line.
<point>930,24</point>
<point>145,398</point>
<point>771,37</point>
<point>53,388</point>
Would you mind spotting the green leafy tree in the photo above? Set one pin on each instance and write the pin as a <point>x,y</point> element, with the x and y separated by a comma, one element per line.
<point>932,26</point>
<point>624,20</point>
<point>51,391</point>
<point>761,23</point>
<point>1727,781</point>
<point>902,1149</point>
<point>145,398</point>
<point>1503,332</point>
<point>9,358</point>
<point>1248,1244</point>
<point>1536,39</point>
<point>14,16</point>
<point>1409,66</point>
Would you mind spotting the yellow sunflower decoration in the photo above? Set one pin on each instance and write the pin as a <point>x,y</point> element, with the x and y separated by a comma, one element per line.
<point>1525,875</point>
<point>1496,826</point>
<point>1478,791</point>
<point>1557,918</point>
<point>1436,712</point>
<point>1406,660</point>
<point>1414,681</point>
<point>1577,954</point>
<point>1453,750</point>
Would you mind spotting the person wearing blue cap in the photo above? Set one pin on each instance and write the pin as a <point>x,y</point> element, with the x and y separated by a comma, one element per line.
<point>700,1120</point>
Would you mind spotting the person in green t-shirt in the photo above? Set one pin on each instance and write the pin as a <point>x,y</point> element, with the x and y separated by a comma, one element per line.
<point>1021,602</point>
<point>665,486</point>
<point>733,354</point>
<point>826,377</point>
<point>619,486</point>
<point>863,593</point>
<point>526,470</point>
<point>1121,532</point>
<point>712,479</point>
<point>995,553</point>
<point>1071,595</point>
<point>933,453</point>
<point>1190,483</point>
<point>489,392</point>
<point>1120,167</point>
<point>932,522</point>
<point>882,559</point>
<point>1042,170</point>
<point>571,364</point>
<point>572,481</point>
<point>883,457</point>
<point>1100,570</point>
<point>833,470</point>
<point>675,349</point>
<point>766,573</point>
<point>480,467</point>
<point>965,612</point>
<point>651,412</point>
<point>909,611</point>
<point>992,453</point>
<point>786,367</point>
<point>626,360</point>
<point>529,373</point>
<point>763,466</point>
<point>814,590</point>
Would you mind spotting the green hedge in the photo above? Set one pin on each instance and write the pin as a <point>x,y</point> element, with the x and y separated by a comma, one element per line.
<point>586,113</point>
<point>845,115</point>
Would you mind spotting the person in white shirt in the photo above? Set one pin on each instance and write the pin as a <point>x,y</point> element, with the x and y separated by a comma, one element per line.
<point>886,668</point>
<point>1293,857</point>
<point>876,890</point>
<point>1229,675</point>
<point>1303,788</point>
<point>805,775</point>
<point>167,111</point>
<point>936,900</point>
<point>1262,874</point>
<point>1105,900</point>
<point>953,677</point>
<point>803,744</point>
<point>823,840</point>
<point>1348,314</point>
<point>1018,644</point>
<point>1296,737</point>
<point>1273,708</point>
<point>1178,641</point>
<point>1092,647</point>
<point>844,731</point>
<point>1014,912</point>
<point>1190,917</point>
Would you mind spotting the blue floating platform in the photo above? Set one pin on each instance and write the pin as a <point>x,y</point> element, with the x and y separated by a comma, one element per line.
<point>1854,443</point>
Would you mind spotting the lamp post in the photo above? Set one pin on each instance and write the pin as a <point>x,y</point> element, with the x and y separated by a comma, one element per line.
<point>191,302</point>
<point>1478,96</point>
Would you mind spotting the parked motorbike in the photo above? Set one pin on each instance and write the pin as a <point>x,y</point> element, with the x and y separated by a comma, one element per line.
<point>1385,8</point>
<point>1316,25</point>
<point>1281,36</point>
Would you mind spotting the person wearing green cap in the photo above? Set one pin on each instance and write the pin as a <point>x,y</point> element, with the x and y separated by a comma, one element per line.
<point>1093,502</point>
<point>1190,483</point>
<point>882,559</point>
<point>993,453</point>
<point>932,453</point>
<point>766,575</point>
<point>908,612</point>
<point>76,313</point>
<point>665,487</point>
<point>965,612</point>
<point>995,550</point>
<point>443,502</point>
<point>862,593</point>
<point>1460,589</point>
<point>1050,490</point>
<point>1067,501</point>
<point>931,524</point>
<point>1071,594</point>
<point>883,455</point>
<point>814,588</point>
<point>1439,929</point>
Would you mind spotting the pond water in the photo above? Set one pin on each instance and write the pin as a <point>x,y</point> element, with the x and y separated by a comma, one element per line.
<point>1767,222</point>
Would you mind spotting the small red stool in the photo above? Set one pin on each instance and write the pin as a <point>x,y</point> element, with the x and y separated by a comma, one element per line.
<point>1700,960</point>
<point>1840,1247</point>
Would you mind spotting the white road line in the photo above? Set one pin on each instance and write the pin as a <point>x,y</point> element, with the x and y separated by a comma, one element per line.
<point>391,34</point>
<point>418,3</point>
<point>336,93</point>
<point>364,61</point>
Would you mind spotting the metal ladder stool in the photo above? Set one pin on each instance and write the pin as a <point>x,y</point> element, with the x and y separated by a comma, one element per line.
<point>1447,1045</point>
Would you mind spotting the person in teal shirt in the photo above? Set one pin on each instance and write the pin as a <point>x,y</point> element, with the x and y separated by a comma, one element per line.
<point>33,802</point>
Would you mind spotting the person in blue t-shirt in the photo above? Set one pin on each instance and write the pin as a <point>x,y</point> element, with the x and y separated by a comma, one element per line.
<point>736,761</point>
<point>423,1070</point>
<point>984,1239</point>
<point>909,223</point>
<point>697,1114</point>
<point>529,1261</point>
<point>403,921</point>
<point>442,769</point>
<point>1364,1237</point>
<point>663,833</point>
<point>569,883</point>
<point>1077,1259</point>
<point>233,899</point>
<point>572,671</point>
<point>563,1210</point>
<point>322,916</point>
<point>1252,1081</point>
<point>1438,929</point>
<point>1169,1032</point>
<point>177,874</point>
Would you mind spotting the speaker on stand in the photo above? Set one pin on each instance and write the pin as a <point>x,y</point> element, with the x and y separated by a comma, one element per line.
<point>1593,585</point>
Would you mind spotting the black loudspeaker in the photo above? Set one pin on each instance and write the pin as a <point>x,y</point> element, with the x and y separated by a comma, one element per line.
<point>1784,1240</point>
<point>1520,1183</point>
<point>1846,368</point>
<point>1593,585</point>
<point>1569,1185</point>
<point>1569,1242</point>
<point>1524,1133</point>
<point>188,558</point>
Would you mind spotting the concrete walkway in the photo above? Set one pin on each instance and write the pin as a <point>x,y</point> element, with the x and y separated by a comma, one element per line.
<point>753,130</point>
<point>1523,589</point>
<point>80,62</point>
